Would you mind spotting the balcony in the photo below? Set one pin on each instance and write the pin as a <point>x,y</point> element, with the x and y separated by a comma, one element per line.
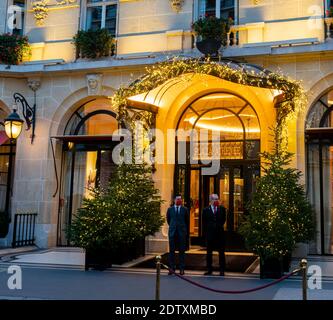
<point>285,37</point>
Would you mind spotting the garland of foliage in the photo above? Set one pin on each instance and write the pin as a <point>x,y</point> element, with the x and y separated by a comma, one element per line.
<point>156,75</point>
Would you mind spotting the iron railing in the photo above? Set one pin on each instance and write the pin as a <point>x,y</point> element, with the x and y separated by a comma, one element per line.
<point>24,229</point>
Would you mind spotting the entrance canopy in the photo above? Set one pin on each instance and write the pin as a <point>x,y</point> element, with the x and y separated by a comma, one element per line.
<point>163,83</point>
<point>167,93</point>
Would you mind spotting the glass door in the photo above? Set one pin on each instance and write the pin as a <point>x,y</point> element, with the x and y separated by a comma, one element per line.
<point>320,191</point>
<point>234,184</point>
<point>327,190</point>
<point>195,204</point>
<point>85,166</point>
<point>238,197</point>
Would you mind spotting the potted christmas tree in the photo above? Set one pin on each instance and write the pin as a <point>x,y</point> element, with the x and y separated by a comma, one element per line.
<point>113,223</point>
<point>280,215</point>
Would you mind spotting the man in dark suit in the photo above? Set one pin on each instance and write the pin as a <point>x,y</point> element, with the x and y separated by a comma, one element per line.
<point>213,220</point>
<point>178,221</point>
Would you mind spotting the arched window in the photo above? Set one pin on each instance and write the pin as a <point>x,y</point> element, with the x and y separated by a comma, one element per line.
<point>232,117</point>
<point>319,142</point>
<point>87,157</point>
<point>92,119</point>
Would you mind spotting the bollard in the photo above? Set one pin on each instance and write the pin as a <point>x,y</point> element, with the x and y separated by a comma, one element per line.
<point>158,277</point>
<point>304,265</point>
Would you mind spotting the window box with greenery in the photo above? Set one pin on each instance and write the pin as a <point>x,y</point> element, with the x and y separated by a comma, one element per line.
<point>211,34</point>
<point>280,215</point>
<point>14,49</point>
<point>113,223</point>
<point>94,44</point>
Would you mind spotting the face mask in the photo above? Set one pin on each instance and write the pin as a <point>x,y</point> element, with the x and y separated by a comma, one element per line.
<point>179,202</point>
<point>216,203</point>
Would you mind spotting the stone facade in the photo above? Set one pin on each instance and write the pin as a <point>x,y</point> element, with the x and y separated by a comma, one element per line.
<point>148,31</point>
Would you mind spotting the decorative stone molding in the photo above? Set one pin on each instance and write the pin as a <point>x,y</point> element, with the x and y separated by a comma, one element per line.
<point>256,2</point>
<point>328,22</point>
<point>34,84</point>
<point>65,2</point>
<point>177,5</point>
<point>40,10</point>
<point>94,84</point>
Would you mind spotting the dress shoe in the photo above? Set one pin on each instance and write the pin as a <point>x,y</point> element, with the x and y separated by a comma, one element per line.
<point>208,273</point>
<point>182,272</point>
<point>171,272</point>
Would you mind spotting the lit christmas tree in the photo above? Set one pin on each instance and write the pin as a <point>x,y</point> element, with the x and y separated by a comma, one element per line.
<point>280,214</point>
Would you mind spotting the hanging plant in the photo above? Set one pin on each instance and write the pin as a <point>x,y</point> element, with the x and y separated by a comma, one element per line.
<point>40,10</point>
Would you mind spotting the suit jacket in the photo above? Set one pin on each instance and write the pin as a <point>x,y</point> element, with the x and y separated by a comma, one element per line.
<point>213,225</point>
<point>178,223</point>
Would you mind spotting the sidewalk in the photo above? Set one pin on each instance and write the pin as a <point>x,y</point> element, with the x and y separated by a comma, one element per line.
<point>75,258</point>
<point>15,251</point>
<point>54,257</point>
<point>58,274</point>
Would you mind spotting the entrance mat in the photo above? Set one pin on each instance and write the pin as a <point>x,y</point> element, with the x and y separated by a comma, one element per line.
<point>197,262</point>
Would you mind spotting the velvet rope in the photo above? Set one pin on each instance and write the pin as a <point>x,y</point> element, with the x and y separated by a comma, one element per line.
<point>232,291</point>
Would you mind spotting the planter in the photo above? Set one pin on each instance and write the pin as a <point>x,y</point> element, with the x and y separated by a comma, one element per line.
<point>286,262</point>
<point>128,252</point>
<point>209,46</point>
<point>271,268</point>
<point>98,258</point>
<point>103,258</point>
<point>300,251</point>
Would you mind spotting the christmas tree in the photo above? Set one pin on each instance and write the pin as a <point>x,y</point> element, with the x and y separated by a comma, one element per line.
<point>280,215</point>
<point>127,210</point>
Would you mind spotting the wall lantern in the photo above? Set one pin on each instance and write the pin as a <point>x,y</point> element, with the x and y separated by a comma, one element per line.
<point>13,124</point>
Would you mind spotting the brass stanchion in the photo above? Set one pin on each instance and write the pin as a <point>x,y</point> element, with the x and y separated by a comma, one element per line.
<point>304,267</point>
<point>158,277</point>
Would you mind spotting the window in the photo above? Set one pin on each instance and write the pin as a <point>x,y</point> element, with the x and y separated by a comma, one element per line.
<point>87,158</point>
<point>16,17</point>
<point>319,144</point>
<point>219,8</point>
<point>101,14</point>
<point>92,120</point>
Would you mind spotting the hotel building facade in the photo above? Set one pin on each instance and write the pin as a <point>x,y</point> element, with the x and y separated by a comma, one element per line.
<point>75,118</point>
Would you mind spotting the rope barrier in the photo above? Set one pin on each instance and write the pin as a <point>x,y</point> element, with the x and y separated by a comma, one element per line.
<point>302,268</point>
<point>233,291</point>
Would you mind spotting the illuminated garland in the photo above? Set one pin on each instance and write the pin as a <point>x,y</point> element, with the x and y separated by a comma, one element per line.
<point>156,75</point>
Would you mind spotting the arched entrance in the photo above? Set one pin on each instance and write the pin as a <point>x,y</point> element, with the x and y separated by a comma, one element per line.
<point>87,158</point>
<point>238,127</point>
<point>319,145</point>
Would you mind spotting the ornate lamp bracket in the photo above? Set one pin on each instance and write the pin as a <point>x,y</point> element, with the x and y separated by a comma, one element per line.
<point>29,113</point>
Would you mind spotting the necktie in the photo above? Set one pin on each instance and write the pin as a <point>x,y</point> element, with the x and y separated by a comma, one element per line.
<point>215,209</point>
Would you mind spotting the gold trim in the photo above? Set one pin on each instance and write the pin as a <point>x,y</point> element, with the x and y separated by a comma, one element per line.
<point>59,8</point>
